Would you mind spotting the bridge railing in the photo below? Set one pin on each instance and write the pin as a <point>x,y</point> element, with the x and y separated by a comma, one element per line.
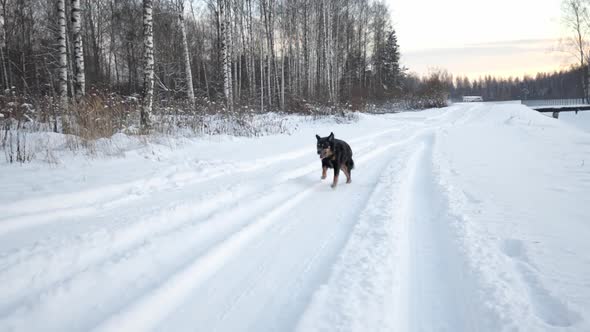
<point>554,102</point>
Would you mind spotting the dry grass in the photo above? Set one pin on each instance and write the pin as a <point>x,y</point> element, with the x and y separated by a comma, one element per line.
<point>90,123</point>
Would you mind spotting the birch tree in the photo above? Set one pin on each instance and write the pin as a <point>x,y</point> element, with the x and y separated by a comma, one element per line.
<point>5,83</point>
<point>63,53</point>
<point>148,70</point>
<point>187,62</point>
<point>80,77</point>
<point>224,19</point>
<point>275,54</point>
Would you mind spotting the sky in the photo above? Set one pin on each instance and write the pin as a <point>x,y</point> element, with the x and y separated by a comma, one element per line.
<point>479,37</point>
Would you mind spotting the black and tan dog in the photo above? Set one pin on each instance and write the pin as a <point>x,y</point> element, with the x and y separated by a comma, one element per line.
<point>335,154</point>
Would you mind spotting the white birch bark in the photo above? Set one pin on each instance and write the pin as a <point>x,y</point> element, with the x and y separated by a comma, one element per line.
<point>187,59</point>
<point>225,51</point>
<point>148,71</point>
<point>252,54</point>
<point>261,74</point>
<point>6,85</point>
<point>283,74</point>
<point>80,82</point>
<point>63,54</point>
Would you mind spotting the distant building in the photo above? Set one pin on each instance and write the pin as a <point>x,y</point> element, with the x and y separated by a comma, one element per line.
<point>471,99</point>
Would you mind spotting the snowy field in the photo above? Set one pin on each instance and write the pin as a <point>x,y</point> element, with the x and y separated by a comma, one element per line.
<point>471,218</point>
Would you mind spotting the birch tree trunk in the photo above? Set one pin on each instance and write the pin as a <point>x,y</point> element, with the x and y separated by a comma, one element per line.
<point>327,80</point>
<point>225,43</point>
<point>229,53</point>
<point>205,77</point>
<point>148,71</point>
<point>252,54</point>
<point>5,83</point>
<point>187,62</point>
<point>271,15</point>
<point>113,50</point>
<point>206,80</point>
<point>80,85</point>
<point>283,74</point>
<point>267,12</point>
<point>242,56</point>
<point>71,74</point>
<point>63,54</point>
<point>261,72</point>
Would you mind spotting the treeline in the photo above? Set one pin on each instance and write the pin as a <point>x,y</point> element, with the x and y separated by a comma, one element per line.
<point>266,54</point>
<point>556,85</point>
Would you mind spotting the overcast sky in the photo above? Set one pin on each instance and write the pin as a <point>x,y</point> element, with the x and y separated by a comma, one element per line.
<point>477,37</point>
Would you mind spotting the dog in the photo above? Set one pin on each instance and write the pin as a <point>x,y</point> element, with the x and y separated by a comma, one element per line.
<point>335,154</point>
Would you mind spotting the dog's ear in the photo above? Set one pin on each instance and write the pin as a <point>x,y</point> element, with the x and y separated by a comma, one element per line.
<point>317,136</point>
<point>331,137</point>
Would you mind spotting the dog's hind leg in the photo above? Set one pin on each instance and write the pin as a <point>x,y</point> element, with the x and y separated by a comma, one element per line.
<point>336,173</point>
<point>346,171</point>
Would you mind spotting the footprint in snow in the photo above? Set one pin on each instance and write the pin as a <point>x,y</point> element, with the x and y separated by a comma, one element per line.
<point>546,306</point>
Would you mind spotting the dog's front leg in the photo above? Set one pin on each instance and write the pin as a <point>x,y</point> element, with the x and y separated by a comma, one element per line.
<point>324,172</point>
<point>336,173</point>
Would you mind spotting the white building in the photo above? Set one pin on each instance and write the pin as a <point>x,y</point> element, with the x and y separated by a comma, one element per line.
<point>470,99</point>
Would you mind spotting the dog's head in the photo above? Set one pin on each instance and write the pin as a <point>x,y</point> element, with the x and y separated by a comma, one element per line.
<point>325,146</point>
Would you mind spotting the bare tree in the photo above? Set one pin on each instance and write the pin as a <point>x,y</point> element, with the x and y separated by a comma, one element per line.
<point>63,53</point>
<point>5,83</point>
<point>187,62</point>
<point>271,54</point>
<point>148,70</point>
<point>224,19</point>
<point>80,77</point>
<point>575,18</point>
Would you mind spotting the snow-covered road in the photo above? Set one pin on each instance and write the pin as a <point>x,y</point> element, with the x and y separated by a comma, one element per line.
<point>474,217</point>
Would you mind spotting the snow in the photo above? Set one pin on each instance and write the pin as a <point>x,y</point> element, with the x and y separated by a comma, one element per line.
<point>468,218</point>
<point>580,120</point>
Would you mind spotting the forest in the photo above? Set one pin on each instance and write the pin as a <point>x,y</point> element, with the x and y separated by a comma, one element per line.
<point>72,60</point>
<point>557,85</point>
<point>96,68</point>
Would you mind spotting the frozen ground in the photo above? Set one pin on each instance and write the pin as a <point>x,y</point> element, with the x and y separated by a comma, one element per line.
<point>469,218</point>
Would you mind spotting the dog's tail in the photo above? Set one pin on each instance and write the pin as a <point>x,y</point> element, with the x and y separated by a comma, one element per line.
<point>350,164</point>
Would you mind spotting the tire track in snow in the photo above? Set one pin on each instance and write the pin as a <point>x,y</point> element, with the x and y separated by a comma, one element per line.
<point>154,260</point>
<point>126,243</point>
<point>276,267</point>
<point>168,219</point>
<point>54,208</point>
<point>177,214</point>
<point>147,311</point>
<point>358,294</point>
<point>432,291</point>
<point>199,212</point>
<point>401,268</point>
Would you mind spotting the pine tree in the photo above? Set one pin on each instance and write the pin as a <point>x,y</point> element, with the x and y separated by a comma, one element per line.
<point>390,63</point>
